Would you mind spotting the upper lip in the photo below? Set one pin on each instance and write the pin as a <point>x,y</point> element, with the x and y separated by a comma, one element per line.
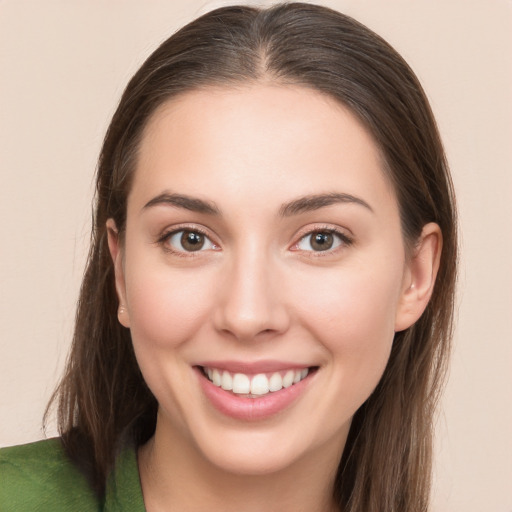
<point>253,367</point>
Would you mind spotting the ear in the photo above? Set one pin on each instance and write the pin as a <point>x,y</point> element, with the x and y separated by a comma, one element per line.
<point>114,245</point>
<point>419,277</point>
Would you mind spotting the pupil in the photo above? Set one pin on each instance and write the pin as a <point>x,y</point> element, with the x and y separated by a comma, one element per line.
<point>192,241</point>
<point>322,241</point>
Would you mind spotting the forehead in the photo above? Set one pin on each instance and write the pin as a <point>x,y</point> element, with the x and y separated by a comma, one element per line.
<point>288,139</point>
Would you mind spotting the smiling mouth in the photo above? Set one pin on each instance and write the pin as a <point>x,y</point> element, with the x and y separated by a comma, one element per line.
<point>258,385</point>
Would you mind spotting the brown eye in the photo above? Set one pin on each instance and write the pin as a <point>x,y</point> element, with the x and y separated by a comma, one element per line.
<point>321,241</point>
<point>192,241</point>
<point>187,240</point>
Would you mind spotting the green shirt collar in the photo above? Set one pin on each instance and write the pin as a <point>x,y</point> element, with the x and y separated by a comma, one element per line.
<point>124,492</point>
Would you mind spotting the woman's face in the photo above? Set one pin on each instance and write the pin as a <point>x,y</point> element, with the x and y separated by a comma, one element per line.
<point>263,247</point>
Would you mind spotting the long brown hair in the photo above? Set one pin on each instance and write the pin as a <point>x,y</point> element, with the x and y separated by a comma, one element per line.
<point>103,401</point>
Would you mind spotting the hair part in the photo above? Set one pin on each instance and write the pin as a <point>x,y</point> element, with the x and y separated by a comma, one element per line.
<point>103,401</point>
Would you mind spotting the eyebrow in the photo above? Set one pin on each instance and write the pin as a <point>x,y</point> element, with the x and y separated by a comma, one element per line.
<point>183,201</point>
<point>316,201</point>
<point>297,206</point>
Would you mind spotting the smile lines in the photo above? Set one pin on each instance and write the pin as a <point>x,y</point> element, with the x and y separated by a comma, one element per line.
<point>257,385</point>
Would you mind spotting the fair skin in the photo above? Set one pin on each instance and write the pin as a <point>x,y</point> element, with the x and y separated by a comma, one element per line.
<point>289,257</point>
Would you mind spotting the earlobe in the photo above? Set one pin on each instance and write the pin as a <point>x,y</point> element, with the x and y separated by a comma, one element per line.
<point>420,277</point>
<point>114,245</point>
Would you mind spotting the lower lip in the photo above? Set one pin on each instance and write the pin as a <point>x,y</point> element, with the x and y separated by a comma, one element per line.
<point>251,409</point>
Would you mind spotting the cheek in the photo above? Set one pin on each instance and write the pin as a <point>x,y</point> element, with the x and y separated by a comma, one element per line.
<point>351,302</point>
<point>166,306</point>
<point>352,314</point>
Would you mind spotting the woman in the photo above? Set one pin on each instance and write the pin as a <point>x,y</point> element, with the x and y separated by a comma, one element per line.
<point>266,311</point>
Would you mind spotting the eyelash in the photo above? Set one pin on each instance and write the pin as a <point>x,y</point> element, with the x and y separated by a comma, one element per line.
<point>344,239</point>
<point>164,238</point>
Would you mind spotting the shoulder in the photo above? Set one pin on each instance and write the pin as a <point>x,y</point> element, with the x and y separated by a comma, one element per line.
<point>39,476</point>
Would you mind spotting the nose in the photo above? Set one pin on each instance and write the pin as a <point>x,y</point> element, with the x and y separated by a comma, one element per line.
<point>251,301</point>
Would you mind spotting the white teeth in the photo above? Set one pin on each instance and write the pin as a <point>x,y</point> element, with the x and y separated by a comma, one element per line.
<point>216,378</point>
<point>227,381</point>
<point>241,384</point>
<point>288,378</point>
<point>276,382</point>
<point>259,384</point>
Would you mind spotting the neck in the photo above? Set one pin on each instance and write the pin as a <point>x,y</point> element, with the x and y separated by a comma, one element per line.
<point>175,476</point>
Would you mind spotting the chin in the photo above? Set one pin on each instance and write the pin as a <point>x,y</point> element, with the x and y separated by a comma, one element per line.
<point>269,449</point>
<point>258,459</point>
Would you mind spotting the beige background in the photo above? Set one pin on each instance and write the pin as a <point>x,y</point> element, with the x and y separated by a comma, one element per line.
<point>63,65</point>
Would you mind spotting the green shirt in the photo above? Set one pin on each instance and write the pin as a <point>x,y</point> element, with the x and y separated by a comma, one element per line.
<point>39,477</point>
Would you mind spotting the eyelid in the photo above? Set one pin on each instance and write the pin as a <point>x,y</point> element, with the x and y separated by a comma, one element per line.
<point>341,233</point>
<point>170,231</point>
